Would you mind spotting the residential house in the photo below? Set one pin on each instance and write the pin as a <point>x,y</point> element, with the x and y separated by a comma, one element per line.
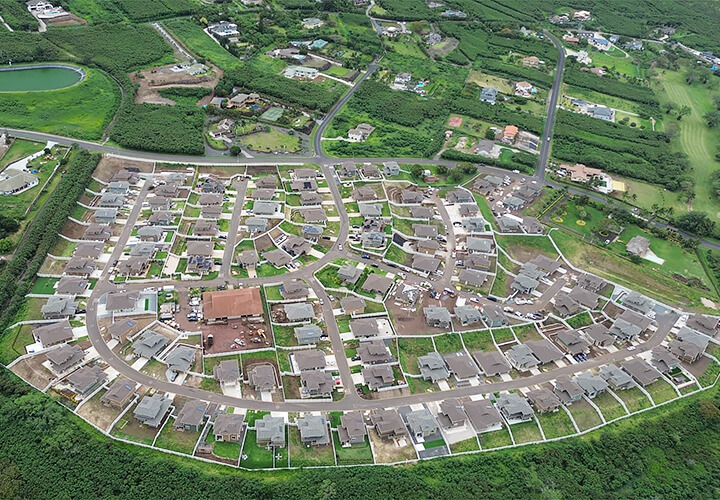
<point>91,250</point>
<point>159,203</point>
<point>227,373</point>
<point>262,378</point>
<point>361,132</point>
<point>109,200</point>
<point>53,334</point>
<point>316,383</point>
<point>64,358</point>
<point>638,245</point>
<point>267,182</point>
<point>212,185</point>
<point>270,432</point>
<point>349,274</point>
<point>585,297</point>
<point>508,224</point>
<point>134,266</point>
<point>296,246</point>
<point>476,261</point>
<point>152,234</point>
<point>493,316</point>
<point>524,284</point>
<point>266,207</point>
<point>58,308</point>
<point>451,414</point>
<point>572,342</point>
<point>348,169</point>
<point>472,278</point>
<point>299,312</point>
<point>313,359</point>
<point>365,328</point>
<point>105,215</point>
<point>388,423</point>
<point>119,394</point>
<point>375,283</point>
<point>313,430</point>
<point>599,335</point>
<point>421,423</point>
<point>461,366</point>
<point>544,351</point>
<point>616,378</point>
<point>304,185</point>
<point>468,210</point>
<point>375,352</point>
<point>163,218</point>
<point>152,409</point>
<point>120,330</point>
<point>515,407</point>
<point>437,317</point>
<point>460,196</point>
<point>638,303</point>
<point>425,264</point>
<point>391,168</point>
<point>408,196</point>
<point>248,258</point>
<point>483,415</point>
<point>352,429</point>
<point>591,283</point>
<point>86,379</point>
<point>370,171</point>
<point>315,216</point>
<point>352,305</point>
<point>544,400</point>
<point>309,198</point>
<point>479,245</point>
<point>228,427</point>
<point>492,363</point>
<point>311,232</point>
<point>232,304</point>
<point>191,417</point>
<point>641,371</point>
<point>149,345</point>
<point>592,385</point>
<point>308,334</point>
<point>566,305</point>
<point>663,360</point>
<point>688,345</point>
<point>277,258</point>
<point>521,357</point>
<point>624,330</point>
<point>97,232</point>
<point>378,376</point>
<point>205,228</point>
<point>263,194</point>
<point>301,72</point>
<point>489,95</point>
<point>294,289</point>
<point>567,390</point>
<point>373,239</point>
<point>432,367</point>
<point>531,62</point>
<point>702,323</point>
<point>508,135</point>
<point>71,286</point>
<point>364,193</point>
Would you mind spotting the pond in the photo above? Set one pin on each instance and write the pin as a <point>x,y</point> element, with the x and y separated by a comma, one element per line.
<point>34,78</point>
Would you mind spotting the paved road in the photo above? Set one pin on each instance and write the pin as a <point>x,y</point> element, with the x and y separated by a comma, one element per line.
<point>227,260</point>
<point>554,96</point>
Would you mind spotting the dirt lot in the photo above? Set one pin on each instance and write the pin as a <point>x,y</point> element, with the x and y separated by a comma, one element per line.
<point>69,20</point>
<point>53,266</point>
<point>32,372</point>
<point>412,322</point>
<point>386,451</point>
<point>72,230</point>
<point>156,78</point>
<point>612,310</point>
<point>97,413</point>
<point>109,166</point>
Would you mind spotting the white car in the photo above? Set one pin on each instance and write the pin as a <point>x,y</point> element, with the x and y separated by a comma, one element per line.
<point>340,247</point>
<point>632,348</point>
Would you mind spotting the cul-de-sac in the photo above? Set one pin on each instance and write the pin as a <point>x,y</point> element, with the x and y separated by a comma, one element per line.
<point>320,240</point>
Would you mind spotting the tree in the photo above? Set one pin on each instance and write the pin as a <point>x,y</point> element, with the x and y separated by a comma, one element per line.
<point>712,118</point>
<point>708,410</point>
<point>6,245</point>
<point>669,106</point>
<point>442,170</point>
<point>235,150</point>
<point>684,110</point>
<point>416,171</point>
<point>490,134</point>
<point>696,222</point>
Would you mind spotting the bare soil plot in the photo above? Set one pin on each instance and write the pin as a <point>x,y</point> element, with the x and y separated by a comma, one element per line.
<point>73,230</point>
<point>159,77</point>
<point>33,372</point>
<point>128,427</point>
<point>110,165</point>
<point>97,413</point>
<point>386,451</point>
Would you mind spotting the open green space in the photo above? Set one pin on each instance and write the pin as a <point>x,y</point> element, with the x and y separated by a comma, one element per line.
<point>180,441</point>
<point>355,454</point>
<point>502,335</point>
<point>257,457</point>
<point>81,111</point>
<point>555,424</point>
<point>410,350</point>
<point>520,247</point>
<point>609,406</point>
<point>224,449</point>
<point>526,432</point>
<point>478,340</point>
<point>465,446</point>
<point>661,391</point>
<point>271,141</point>
<point>495,439</point>
<point>634,399</point>
<point>585,416</point>
<point>303,456</point>
<point>45,286</point>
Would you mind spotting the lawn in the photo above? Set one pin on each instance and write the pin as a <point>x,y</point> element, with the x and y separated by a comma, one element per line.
<point>193,37</point>
<point>649,195</point>
<point>580,320</point>
<point>613,267</point>
<point>584,415</point>
<point>526,432</point>
<point>44,286</point>
<point>520,247</point>
<point>481,339</point>
<point>132,430</point>
<point>418,385</point>
<point>526,332</point>
<point>20,148</point>
<point>264,270</point>
<point>273,292</point>
<point>252,415</point>
<point>634,399</point>
<point>615,59</point>
<point>270,141</point>
<point>13,342</point>
<point>556,424</point>
<point>396,254</point>
<point>661,391</point>
<point>466,445</point>
<point>304,456</point>
<point>448,343</point>
<point>224,449</point>
<point>410,350</point>
<point>503,335</point>
<point>695,139</point>
<point>257,457</point>
<point>355,454</point>
<point>180,441</point>
<point>495,439</point>
<point>485,210</point>
<point>609,406</point>
<point>81,111</point>
<point>284,335</point>
<point>499,286</point>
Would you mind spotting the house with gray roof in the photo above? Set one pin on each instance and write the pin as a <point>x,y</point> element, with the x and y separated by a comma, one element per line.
<point>472,278</point>
<point>514,203</point>
<point>460,196</point>
<point>591,283</point>
<point>566,305</point>
<point>299,312</point>
<point>262,377</point>
<point>352,305</point>
<point>267,181</point>
<point>437,317</point>
<point>150,233</point>
<point>421,213</point>
<point>159,203</point>
<point>544,350</point>
<point>109,200</point>
<point>352,429</point>
<point>544,400</point>
<point>53,333</point>
<point>375,352</point>
<point>227,372</point>
<point>313,359</point>
<point>638,303</point>
<point>524,284</point>
<point>256,224</point>
<point>373,239</point>
<point>479,245</point>
<point>391,168</point>
<point>508,225</point>
<point>641,371</point>
<point>616,378</point>
<point>211,211</point>
<point>425,231</point>
<point>663,360</point>
<point>468,210</point>
<point>105,215</point>
<point>162,218</point>
<point>315,215</point>
<point>591,384</point>
<point>461,366</point>
<point>408,196</point>
<point>584,297</point>
<point>451,414</point>
<point>347,169</point>
<point>425,264</point>
<point>308,198</point>
<point>118,187</point>
<point>474,224</point>
<point>378,376</point>
<point>266,207</point>
<point>149,345</point>
<point>521,357</point>
<point>301,185</point>
<point>421,423</point>
<point>228,427</point>
<point>388,423</point>
<point>689,345</point>
<point>248,258</point>
<point>180,359</point>
<point>489,95</point>
<point>313,430</point>
<point>492,363</point>
<point>119,394</point>
<point>703,323</point>
<point>428,246</point>
<point>205,228</point>
<point>483,415</point>
<point>349,274</point>
<point>316,383</point>
<point>515,407</point>
<point>493,316</point>
<point>277,258</point>
<point>297,246</point>
<point>91,250</point>
<point>467,315</point>
<point>152,409</point>
<point>294,289</point>
<point>311,232</point>
<point>191,417</point>
<point>572,342</point>
<point>86,379</point>
<point>364,328</point>
<point>624,330</point>
<point>567,390</point>
<point>377,283</point>
<point>477,261</point>
<point>143,249</point>
<point>432,367</point>
<point>263,194</point>
<point>308,334</point>
<point>200,248</point>
<point>599,334</point>
<point>58,308</point>
<point>270,432</point>
<point>370,171</point>
<point>121,329</point>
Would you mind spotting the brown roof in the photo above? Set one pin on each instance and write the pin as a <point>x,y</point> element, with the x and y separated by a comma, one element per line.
<point>232,303</point>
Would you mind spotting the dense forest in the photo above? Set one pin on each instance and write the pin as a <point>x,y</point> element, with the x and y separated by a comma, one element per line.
<point>671,454</point>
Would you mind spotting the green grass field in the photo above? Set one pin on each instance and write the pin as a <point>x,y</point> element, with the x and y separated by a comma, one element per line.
<point>355,454</point>
<point>81,111</point>
<point>257,457</point>
<point>634,399</point>
<point>609,406</point>
<point>696,140</point>
<point>193,37</point>
<point>274,140</point>
<point>481,340</point>
<point>495,439</point>
<point>526,432</point>
<point>584,415</point>
<point>556,424</point>
<point>183,442</point>
<point>466,445</point>
<point>661,391</point>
